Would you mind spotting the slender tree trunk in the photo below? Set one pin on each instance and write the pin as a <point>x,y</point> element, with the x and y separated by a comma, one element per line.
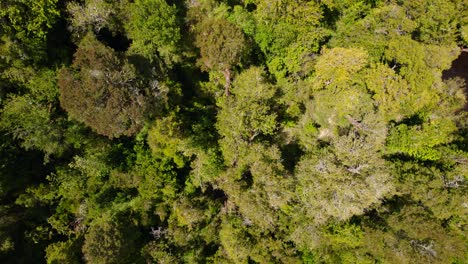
<point>227,85</point>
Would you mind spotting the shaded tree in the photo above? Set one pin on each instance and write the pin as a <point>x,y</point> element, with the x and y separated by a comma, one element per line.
<point>102,90</point>
<point>109,241</point>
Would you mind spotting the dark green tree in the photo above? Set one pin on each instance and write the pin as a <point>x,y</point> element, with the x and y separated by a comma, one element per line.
<point>102,90</point>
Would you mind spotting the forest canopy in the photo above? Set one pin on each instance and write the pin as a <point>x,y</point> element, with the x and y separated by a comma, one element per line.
<point>240,131</point>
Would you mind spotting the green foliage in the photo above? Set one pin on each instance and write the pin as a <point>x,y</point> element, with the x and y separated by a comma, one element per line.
<point>464,35</point>
<point>341,138</point>
<point>7,219</point>
<point>63,252</point>
<point>246,115</point>
<point>336,68</point>
<point>222,44</point>
<point>153,27</point>
<point>157,177</point>
<point>95,16</point>
<point>29,22</point>
<point>109,241</point>
<point>29,19</point>
<point>165,139</point>
<point>159,252</point>
<point>436,20</point>
<point>29,121</point>
<point>421,141</point>
<point>419,238</point>
<point>431,185</point>
<point>102,90</point>
<point>34,117</point>
<point>281,22</point>
<point>235,243</point>
<point>339,185</point>
<point>289,33</point>
<point>243,19</point>
<point>344,236</point>
<point>392,94</point>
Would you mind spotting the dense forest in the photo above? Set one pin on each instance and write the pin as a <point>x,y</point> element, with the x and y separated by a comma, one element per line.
<point>232,131</point>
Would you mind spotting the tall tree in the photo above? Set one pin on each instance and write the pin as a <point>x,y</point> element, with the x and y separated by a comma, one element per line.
<point>246,115</point>
<point>153,26</point>
<point>103,91</point>
<point>222,46</point>
<point>108,240</point>
<point>29,23</point>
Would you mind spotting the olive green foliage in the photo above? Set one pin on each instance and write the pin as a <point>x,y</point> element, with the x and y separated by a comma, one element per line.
<point>28,117</point>
<point>438,17</point>
<point>421,141</point>
<point>109,241</point>
<point>341,135</point>
<point>248,114</point>
<point>165,139</point>
<point>62,252</point>
<point>102,90</point>
<point>28,121</point>
<point>221,44</point>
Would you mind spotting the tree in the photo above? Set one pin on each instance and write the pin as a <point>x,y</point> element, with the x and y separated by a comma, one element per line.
<point>338,78</point>
<point>166,141</point>
<point>343,180</point>
<point>32,123</point>
<point>336,69</point>
<point>246,115</point>
<point>416,235</point>
<point>437,20</point>
<point>341,141</point>
<point>32,117</point>
<point>109,241</point>
<point>421,141</point>
<point>371,28</point>
<point>29,23</point>
<point>153,27</point>
<point>103,91</point>
<point>289,33</point>
<point>343,172</point>
<point>63,252</point>
<point>94,14</point>
<point>222,46</point>
<point>241,243</point>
